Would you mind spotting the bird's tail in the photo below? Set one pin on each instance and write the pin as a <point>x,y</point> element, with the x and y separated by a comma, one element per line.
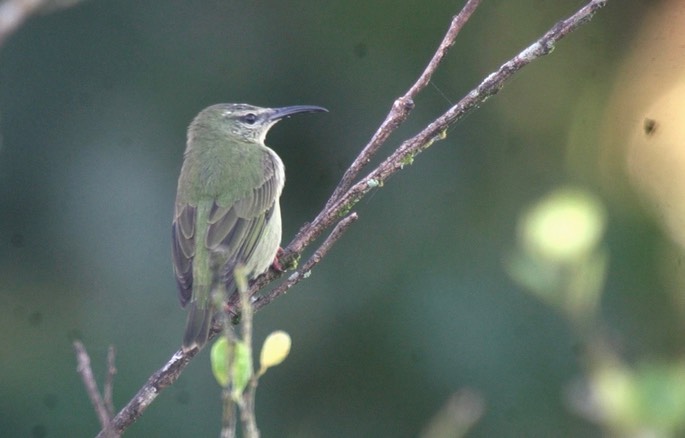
<point>197,326</point>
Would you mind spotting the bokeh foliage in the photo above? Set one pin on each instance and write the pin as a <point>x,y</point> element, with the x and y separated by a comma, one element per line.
<point>412,305</point>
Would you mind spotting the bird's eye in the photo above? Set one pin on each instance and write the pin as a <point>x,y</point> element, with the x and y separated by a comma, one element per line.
<point>249,118</point>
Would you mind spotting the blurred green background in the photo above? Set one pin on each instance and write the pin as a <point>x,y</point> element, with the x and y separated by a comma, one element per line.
<point>412,305</point>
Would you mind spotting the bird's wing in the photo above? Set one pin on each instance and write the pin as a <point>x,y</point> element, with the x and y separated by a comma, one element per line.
<point>183,249</point>
<point>234,230</point>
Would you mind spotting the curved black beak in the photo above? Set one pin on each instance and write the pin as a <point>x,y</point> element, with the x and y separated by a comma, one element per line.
<point>287,111</point>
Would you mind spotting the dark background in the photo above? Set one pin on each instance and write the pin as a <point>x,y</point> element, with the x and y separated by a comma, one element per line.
<point>412,305</point>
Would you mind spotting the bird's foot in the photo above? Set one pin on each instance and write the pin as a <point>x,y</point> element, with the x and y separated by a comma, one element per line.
<point>233,312</point>
<point>276,265</point>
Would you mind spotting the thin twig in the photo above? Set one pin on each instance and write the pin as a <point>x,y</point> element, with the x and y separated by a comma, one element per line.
<point>229,420</point>
<point>437,129</point>
<point>229,423</point>
<point>402,106</point>
<point>303,272</point>
<point>161,379</point>
<point>108,389</point>
<point>457,416</point>
<point>251,430</point>
<point>13,13</point>
<point>345,199</point>
<point>86,372</point>
<point>247,412</point>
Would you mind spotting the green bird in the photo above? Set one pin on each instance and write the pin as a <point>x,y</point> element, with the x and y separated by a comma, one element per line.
<point>227,210</point>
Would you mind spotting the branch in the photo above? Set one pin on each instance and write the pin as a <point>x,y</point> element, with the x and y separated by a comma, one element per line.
<point>107,391</point>
<point>436,130</point>
<point>13,13</point>
<point>161,379</point>
<point>347,194</point>
<point>402,106</point>
<point>303,272</point>
<point>102,406</point>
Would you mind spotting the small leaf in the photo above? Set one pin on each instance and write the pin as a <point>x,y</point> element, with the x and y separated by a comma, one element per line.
<point>241,366</point>
<point>242,370</point>
<point>219,360</point>
<point>274,351</point>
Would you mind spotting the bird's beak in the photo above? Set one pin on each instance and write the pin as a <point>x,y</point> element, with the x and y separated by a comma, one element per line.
<point>287,111</point>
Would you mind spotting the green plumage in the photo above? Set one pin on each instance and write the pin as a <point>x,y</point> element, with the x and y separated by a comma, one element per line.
<point>227,210</point>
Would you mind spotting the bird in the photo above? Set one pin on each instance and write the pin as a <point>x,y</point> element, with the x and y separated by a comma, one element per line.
<point>227,210</point>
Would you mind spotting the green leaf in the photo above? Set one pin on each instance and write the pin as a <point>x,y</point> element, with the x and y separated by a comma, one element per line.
<point>242,370</point>
<point>219,357</point>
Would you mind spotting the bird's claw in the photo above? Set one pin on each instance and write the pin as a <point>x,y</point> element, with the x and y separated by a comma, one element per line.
<point>276,265</point>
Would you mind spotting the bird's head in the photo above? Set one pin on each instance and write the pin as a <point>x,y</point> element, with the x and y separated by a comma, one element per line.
<point>242,122</point>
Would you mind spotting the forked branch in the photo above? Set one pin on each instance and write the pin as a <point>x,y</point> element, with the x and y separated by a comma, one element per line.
<point>336,213</point>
